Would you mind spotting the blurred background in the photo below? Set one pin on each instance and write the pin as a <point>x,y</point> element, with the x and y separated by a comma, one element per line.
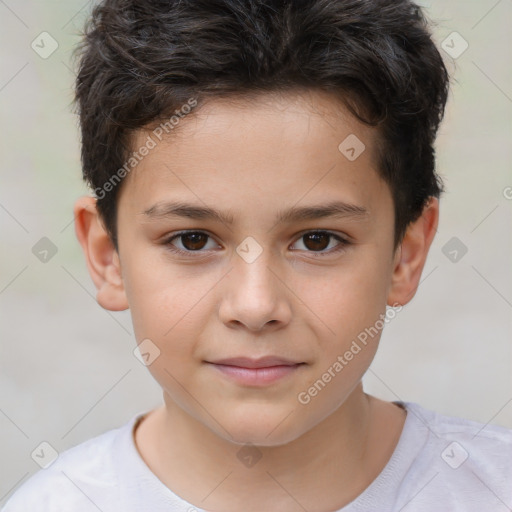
<point>67,369</point>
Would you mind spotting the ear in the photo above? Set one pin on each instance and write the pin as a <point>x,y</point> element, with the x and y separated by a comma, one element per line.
<point>102,259</point>
<point>411,255</point>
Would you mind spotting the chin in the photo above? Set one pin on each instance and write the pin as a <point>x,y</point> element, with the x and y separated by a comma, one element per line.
<point>262,429</point>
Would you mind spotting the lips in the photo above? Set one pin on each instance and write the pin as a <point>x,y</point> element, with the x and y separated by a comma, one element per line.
<point>262,362</point>
<point>249,372</point>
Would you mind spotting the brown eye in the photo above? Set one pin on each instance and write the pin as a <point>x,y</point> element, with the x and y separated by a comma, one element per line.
<point>194,241</point>
<point>317,241</point>
<point>188,242</point>
<point>322,243</point>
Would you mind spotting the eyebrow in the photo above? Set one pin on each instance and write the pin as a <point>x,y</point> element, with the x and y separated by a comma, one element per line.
<point>333,209</point>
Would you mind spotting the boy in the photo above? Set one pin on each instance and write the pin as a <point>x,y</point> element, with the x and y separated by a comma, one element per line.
<point>224,140</point>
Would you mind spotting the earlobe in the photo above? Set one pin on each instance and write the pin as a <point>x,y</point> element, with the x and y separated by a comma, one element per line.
<point>101,256</point>
<point>410,257</point>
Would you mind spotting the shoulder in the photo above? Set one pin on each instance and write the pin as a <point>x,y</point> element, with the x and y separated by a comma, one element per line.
<point>460,460</point>
<point>485,440</point>
<point>79,479</point>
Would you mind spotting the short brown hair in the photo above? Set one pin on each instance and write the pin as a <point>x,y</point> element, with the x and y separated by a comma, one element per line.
<point>139,61</point>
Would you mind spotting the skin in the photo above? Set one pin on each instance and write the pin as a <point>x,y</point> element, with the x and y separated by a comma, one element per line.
<point>253,159</point>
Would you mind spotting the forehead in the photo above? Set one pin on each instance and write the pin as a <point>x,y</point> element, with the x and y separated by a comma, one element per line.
<point>293,114</point>
<point>262,145</point>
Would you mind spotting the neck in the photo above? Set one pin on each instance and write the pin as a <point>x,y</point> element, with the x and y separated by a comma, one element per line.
<point>324,469</point>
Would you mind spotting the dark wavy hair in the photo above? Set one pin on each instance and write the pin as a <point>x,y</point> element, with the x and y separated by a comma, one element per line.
<point>140,61</point>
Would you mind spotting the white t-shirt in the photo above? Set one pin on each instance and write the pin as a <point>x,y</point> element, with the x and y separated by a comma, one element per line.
<point>440,464</point>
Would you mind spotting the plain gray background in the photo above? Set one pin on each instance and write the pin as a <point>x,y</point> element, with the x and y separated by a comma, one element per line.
<point>67,367</point>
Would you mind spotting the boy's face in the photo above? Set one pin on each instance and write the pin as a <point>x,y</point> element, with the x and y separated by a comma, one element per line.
<point>258,287</point>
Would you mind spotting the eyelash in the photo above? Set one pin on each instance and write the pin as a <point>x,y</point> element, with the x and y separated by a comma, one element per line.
<point>340,247</point>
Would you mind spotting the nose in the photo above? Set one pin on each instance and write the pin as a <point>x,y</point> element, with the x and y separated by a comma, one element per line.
<point>254,296</point>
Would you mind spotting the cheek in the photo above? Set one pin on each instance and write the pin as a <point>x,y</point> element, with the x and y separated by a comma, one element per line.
<point>348,299</point>
<point>162,297</point>
<point>167,312</point>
